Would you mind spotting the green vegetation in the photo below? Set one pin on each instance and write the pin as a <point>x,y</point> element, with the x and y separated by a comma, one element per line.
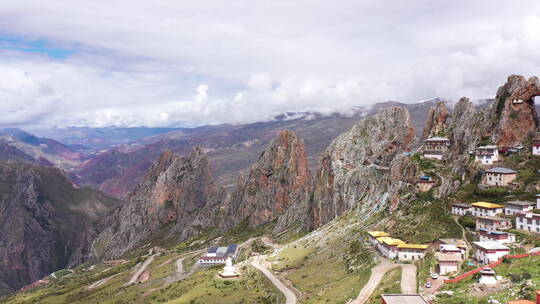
<point>424,164</point>
<point>523,274</point>
<point>391,283</point>
<point>422,222</point>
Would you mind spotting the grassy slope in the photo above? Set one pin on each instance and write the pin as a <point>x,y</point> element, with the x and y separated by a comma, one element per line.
<point>390,284</point>
<point>329,266</point>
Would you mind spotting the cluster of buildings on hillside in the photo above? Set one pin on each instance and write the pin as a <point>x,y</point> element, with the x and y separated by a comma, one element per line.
<point>493,221</point>
<point>395,248</point>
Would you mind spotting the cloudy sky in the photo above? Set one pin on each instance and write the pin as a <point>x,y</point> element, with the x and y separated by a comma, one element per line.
<point>185,63</point>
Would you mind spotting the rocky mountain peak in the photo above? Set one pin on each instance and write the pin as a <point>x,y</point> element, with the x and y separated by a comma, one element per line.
<point>359,167</point>
<point>513,112</point>
<point>277,180</point>
<point>176,189</point>
<point>436,121</point>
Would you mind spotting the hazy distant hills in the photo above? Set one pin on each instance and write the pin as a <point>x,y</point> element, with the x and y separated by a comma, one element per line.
<point>231,148</point>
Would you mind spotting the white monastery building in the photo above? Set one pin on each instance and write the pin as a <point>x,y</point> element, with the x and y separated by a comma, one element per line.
<point>461,209</point>
<point>486,155</point>
<point>513,207</point>
<point>500,176</point>
<point>489,252</point>
<point>486,209</point>
<point>528,221</point>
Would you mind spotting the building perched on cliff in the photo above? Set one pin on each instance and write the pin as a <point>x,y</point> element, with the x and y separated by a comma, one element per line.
<point>435,147</point>
<point>425,183</point>
<point>486,155</point>
<point>500,176</point>
<point>536,147</point>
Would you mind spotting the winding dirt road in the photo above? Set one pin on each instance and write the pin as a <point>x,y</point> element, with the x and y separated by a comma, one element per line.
<point>290,296</point>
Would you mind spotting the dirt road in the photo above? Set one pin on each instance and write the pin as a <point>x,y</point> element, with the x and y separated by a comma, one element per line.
<point>290,296</point>
<point>137,274</point>
<point>408,280</point>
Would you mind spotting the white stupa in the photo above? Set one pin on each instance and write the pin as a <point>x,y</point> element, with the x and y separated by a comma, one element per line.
<point>229,271</point>
<point>487,277</point>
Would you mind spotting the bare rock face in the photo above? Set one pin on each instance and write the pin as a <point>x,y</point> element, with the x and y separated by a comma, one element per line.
<point>279,179</point>
<point>177,198</point>
<point>46,223</point>
<point>365,167</point>
<point>513,112</point>
<point>436,121</point>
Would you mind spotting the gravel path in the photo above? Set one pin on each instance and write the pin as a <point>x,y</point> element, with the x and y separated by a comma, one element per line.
<point>290,296</point>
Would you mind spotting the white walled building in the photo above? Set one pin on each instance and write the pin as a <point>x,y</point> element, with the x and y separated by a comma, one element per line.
<point>492,223</point>
<point>528,221</point>
<point>486,155</point>
<point>489,252</point>
<point>435,147</point>
<point>537,201</point>
<point>461,209</point>
<point>388,246</point>
<point>486,209</point>
<point>447,262</point>
<point>500,176</point>
<point>513,207</point>
<point>408,252</point>
<point>499,237</point>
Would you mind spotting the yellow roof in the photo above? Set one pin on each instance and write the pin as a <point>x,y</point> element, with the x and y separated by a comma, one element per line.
<point>390,241</point>
<point>487,205</point>
<point>413,246</point>
<point>377,234</point>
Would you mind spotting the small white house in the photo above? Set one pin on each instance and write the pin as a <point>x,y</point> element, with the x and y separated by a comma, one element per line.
<point>447,262</point>
<point>489,252</point>
<point>537,201</point>
<point>536,147</point>
<point>487,277</point>
<point>528,221</point>
<point>513,207</point>
<point>499,237</point>
<point>486,209</point>
<point>486,155</point>
<point>492,223</point>
<point>500,176</point>
<point>461,209</point>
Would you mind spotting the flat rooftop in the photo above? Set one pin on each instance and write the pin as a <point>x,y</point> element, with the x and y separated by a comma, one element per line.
<point>404,299</point>
<point>520,203</point>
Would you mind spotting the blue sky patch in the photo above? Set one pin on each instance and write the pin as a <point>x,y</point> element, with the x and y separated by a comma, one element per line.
<point>40,46</point>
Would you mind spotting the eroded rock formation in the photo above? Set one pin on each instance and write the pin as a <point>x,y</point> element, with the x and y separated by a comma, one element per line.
<point>177,198</point>
<point>279,179</point>
<point>365,167</point>
<point>436,121</point>
<point>513,113</point>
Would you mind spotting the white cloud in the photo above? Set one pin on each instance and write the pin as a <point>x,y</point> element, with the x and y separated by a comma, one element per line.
<point>142,63</point>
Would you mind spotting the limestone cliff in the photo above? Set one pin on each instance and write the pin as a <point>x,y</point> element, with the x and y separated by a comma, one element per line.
<point>513,112</point>
<point>365,167</point>
<point>176,198</point>
<point>277,186</point>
